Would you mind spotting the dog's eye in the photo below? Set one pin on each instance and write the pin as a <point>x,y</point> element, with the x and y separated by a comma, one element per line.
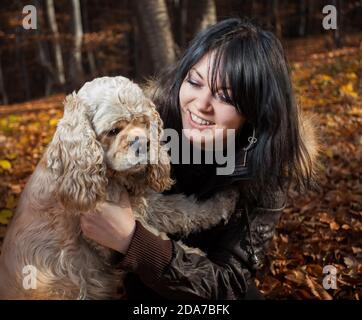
<point>114,132</point>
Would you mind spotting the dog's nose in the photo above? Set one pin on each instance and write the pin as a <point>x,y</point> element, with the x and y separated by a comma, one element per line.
<point>139,144</point>
<point>135,142</point>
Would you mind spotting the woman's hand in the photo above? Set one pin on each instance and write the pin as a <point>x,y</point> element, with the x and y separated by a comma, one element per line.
<point>111,225</point>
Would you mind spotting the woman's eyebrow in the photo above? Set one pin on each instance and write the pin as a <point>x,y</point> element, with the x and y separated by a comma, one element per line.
<point>198,73</point>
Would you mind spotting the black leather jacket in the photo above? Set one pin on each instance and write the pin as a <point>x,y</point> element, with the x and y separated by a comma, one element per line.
<point>234,252</point>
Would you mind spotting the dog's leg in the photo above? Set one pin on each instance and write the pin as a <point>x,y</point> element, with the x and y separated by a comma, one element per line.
<point>182,215</point>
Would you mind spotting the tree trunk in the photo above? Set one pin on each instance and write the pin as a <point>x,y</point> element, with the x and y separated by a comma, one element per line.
<point>311,18</point>
<point>46,65</point>
<point>181,22</point>
<point>276,18</point>
<point>44,58</point>
<point>58,52</point>
<point>156,27</point>
<point>202,14</point>
<point>337,34</point>
<point>4,96</point>
<point>268,14</point>
<point>90,54</point>
<point>76,68</point>
<point>253,8</point>
<point>20,58</point>
<point>302,18</point>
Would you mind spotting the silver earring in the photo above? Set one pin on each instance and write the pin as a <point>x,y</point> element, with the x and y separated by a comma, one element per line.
<point>252,140</point>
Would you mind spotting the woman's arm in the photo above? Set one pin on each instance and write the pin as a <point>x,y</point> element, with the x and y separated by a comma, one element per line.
<point>225,272</point>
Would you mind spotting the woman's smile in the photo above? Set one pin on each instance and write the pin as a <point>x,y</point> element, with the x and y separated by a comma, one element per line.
<point>198,122</point>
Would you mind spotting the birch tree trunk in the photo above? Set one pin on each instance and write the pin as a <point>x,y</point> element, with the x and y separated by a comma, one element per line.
<point>76,68</point>
<point>50,74</point>
<point>58,52</point>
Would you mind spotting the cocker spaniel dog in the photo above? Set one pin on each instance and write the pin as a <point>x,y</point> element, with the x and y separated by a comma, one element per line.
<point>96,152</point>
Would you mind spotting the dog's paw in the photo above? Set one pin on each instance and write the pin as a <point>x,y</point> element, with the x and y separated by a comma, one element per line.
<point>226,201</point>
<point>228,196</point>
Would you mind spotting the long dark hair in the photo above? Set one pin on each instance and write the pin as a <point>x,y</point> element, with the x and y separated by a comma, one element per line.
<point>252,62</point>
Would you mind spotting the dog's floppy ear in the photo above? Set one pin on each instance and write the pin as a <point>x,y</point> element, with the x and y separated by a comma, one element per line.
<point>158,174</point>
<point>75,157</point>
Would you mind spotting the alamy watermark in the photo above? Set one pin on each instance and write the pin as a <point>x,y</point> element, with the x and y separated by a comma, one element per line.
<point>29,277</point>
<point>218,144</point>
<point>30,20</point>
<point>330,280</point>
<point>330,20</point>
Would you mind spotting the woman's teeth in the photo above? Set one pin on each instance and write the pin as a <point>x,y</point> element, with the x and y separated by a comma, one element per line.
<point>198,120</point>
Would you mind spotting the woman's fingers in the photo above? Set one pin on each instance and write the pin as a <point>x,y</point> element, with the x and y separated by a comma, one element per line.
<point>124,201</point>
<point>110,225</point>
<point>86,224</point>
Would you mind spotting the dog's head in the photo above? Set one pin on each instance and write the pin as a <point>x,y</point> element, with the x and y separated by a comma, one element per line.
<point>108,125</point>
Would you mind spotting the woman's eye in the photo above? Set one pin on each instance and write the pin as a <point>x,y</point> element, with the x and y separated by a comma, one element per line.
<point>193,83</point>
<point>223,98</point>
<point>114,132</point>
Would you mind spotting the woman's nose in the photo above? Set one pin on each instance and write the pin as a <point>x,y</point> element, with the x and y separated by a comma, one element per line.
<point>205,101</point>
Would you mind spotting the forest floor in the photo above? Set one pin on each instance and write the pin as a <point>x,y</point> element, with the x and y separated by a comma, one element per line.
<point>318,229</point>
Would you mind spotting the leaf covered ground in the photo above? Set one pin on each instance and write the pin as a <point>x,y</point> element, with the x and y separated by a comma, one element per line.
<point>324,227</point>
<point>317,229</point>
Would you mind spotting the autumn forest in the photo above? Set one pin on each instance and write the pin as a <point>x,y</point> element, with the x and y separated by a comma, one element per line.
<point>77,40</point>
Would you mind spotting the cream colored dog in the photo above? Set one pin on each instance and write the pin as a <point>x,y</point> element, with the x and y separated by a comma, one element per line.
<point>91,159</point>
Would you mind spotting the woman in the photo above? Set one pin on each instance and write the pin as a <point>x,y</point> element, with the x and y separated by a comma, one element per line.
<point>233,76</point>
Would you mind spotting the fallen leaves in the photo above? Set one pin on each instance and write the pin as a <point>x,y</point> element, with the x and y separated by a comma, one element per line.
<point>334,226</point>
<point>324,217</point>
<point>5,164</point>
<point>23,138</point>
<point>324,227</point>
<point>5,216</point>
<point>317,290</point>
<point>348,90</point>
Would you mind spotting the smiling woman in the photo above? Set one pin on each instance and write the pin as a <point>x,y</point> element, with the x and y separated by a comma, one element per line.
<point>202,109</point>
<point>234,76</point>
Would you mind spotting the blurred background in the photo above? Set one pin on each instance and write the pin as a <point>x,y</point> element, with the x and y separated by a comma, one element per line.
<point>78,40</point>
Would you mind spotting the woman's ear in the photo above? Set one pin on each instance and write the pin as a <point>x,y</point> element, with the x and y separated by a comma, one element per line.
<point>75,157</point>
<point>158,174</point>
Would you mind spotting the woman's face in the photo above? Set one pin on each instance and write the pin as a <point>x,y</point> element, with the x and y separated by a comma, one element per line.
<point>201,111</point>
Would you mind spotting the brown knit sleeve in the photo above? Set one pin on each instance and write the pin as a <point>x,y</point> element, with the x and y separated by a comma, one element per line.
<point>147,255</point>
